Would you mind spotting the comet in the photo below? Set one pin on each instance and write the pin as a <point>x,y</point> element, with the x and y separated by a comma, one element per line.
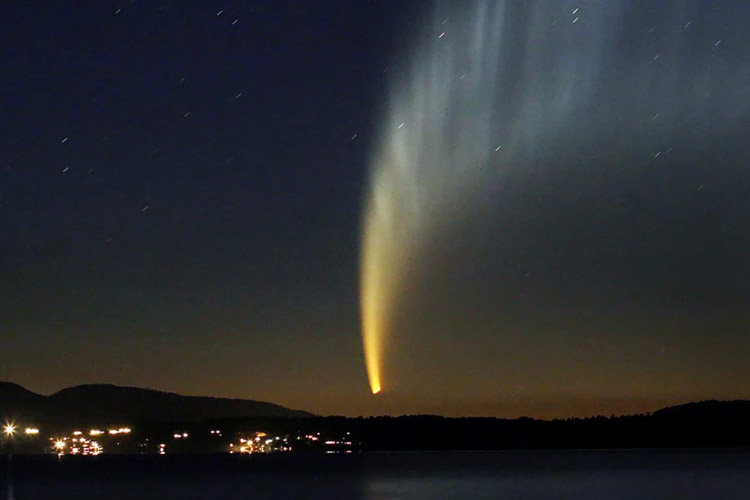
<point>486,89</point>
<point>426,160</point>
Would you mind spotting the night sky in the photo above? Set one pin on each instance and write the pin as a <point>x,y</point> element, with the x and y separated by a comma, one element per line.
<point>182,189</point>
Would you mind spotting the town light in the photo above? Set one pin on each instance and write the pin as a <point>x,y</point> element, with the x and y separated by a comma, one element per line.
<point>9,429</point>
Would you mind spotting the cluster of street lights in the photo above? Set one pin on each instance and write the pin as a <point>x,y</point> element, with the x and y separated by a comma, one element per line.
<point>10,430</point>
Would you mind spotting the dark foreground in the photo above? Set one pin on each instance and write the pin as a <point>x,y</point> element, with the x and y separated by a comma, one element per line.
<point>652,474</point>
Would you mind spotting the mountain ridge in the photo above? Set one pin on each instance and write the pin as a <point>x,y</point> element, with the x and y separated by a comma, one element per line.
<point>114,403</point>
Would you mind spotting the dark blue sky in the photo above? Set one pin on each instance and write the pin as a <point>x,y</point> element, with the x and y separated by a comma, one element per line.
<point>181,188</point>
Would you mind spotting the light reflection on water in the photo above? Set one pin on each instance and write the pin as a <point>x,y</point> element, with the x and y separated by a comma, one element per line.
<point>615,475</point>
<point>582,485</point>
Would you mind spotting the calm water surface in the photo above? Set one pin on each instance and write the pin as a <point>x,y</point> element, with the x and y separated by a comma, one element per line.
<point>612,475</point>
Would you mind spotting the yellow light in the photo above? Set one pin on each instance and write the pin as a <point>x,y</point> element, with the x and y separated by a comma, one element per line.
<point>96,432</point>
<point>9,429</point>
<point>31,430</point>
<point>384,256</point>
<point>59,444</point>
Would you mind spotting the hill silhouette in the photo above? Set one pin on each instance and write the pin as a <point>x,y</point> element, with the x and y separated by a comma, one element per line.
<point>708,410</point>
<point>111,403</point>
<point>702,424</point>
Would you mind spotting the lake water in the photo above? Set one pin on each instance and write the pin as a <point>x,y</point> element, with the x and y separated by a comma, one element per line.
<point>612,475</point>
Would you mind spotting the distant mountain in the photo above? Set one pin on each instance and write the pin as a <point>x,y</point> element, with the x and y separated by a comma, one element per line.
<point>700,424</point>
<point>110,403</point>
<point>17,401</point>
<point>708,410</point>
